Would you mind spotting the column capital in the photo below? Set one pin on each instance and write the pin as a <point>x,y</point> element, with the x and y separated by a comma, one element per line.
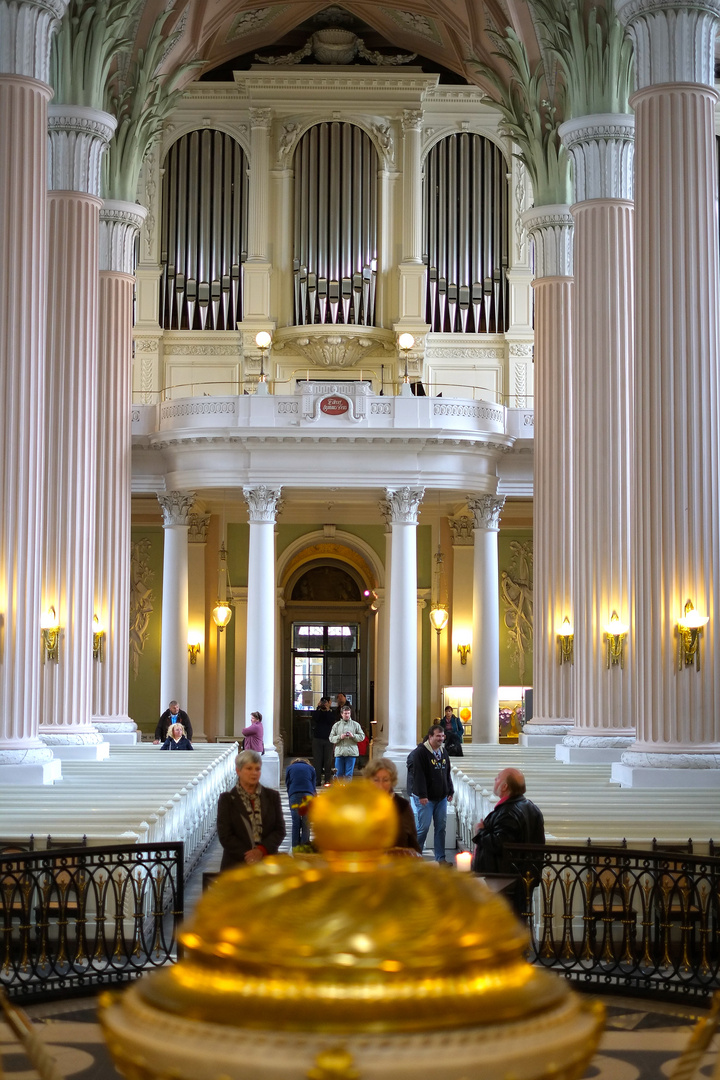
<point>386,511</point>
<point>404,503</point>
<point>673,42</point>
<point>78,138</point>
<point>411,120</point>
<point>120,222</point>
<point>486,511</point>
<point>176,507</point>
<point>551,228</point>
<point>26,29</point>
<point>602,149</point>
<point>198,531</point>
<point>462,531</point>
<point>263,502</point>
<point>260,118</point>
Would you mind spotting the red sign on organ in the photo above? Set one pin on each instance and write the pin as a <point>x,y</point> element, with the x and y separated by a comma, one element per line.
<point>333,406</point>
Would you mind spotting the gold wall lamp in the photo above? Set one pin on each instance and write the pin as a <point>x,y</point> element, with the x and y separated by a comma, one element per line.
<point>463,650</point>
<point>50,631</point>
<point>566,643</point>
<point>194,647</point>
<point>689,629</point>
<point>615,635</point>
<point>98,639</point>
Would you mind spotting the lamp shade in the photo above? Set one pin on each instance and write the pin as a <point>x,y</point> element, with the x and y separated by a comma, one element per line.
<point>439,617</point>
<point>222,614</point>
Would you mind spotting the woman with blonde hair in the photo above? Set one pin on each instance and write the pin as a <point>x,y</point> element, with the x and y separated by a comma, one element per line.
<point>177,739</point>
<point>382,771</point>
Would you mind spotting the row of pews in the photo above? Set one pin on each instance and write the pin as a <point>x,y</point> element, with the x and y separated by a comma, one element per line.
<point>580,802</point>
<point>138,795</point>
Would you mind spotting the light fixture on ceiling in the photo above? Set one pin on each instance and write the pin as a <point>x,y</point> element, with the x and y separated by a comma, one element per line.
<point>222,612</point>
<point>439,614</point>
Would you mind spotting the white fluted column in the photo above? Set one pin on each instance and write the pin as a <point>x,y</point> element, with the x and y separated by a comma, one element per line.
<point>403,504</point>
<point>176,507</point>
<point>257,269</point>
<point>676,550</point>
<point>412,269</point>
<point>120,223</point>
<point>485,650</point>
<point>78,138</point>
<point>263,505</point>
<point>551,229</point>
<point>25,33</point>
<point>602,407</point>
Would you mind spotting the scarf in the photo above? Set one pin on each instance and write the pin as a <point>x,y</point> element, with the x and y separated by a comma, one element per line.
<point>254,813</point>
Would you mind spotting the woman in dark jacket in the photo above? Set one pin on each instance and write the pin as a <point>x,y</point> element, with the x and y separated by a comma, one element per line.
<point>177,739</point>
<point>250,821</point>
<point>382,772</point>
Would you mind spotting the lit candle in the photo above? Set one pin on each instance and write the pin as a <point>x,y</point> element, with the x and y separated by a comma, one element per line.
<point>463,860</point>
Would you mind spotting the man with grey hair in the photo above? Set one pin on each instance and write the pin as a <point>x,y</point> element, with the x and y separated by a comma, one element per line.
<point>250,821</point>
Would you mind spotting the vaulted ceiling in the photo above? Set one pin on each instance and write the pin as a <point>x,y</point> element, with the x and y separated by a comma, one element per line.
<point>446,33</point>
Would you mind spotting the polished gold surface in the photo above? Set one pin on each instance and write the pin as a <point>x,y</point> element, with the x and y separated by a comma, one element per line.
<point>354,940</point>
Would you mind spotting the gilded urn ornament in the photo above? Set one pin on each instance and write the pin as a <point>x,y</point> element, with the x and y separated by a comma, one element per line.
<point>352,965</point>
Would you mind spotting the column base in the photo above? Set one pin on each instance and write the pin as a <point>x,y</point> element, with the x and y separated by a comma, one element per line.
<point>548,733</point>
<point>589,749</point>
<point>86,746</point>
<point>117,732</point>
<point>33,774</point>
<point>399,755</point>
<point>271,769</point>
<point>676,770</point>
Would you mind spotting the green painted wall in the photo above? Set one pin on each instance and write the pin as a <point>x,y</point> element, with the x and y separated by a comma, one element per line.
<point>144,690</point>
<point>515,548</point>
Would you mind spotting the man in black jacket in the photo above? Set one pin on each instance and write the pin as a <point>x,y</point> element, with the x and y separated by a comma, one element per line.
<point>172,715</point>
<point>514,820</point>
<point>431,788</point>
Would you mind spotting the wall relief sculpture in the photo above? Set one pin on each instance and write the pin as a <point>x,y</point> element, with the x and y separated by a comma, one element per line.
<point>141,600</point>
<point>516,586</point>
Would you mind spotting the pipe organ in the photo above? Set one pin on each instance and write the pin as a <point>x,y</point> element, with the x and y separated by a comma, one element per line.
<point>204,232</point>
<point>466,235</point>
<point>335,239</point>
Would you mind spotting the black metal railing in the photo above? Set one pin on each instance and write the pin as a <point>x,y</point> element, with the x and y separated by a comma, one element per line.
<point>76,918</point>
<point>645,921</point>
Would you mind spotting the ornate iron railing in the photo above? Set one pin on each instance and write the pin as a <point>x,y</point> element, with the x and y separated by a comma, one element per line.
<point>77,918</point>
<point>624,919</point>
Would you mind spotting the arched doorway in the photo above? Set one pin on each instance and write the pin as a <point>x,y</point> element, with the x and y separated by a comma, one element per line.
<point>328,641</point>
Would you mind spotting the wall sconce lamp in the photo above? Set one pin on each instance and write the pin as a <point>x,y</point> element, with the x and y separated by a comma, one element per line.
<point>615,635</point>
<point>193,647</point>
<point>463,650</point>
<point>566,643</point>
<point>50,631</point>
<point>405,344</point>
<point>98,638</point>
<point>263,340</point>
<point>689,628</point>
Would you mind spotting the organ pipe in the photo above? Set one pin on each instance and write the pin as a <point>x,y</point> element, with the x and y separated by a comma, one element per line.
<point>203,232</point>
<point>335,235</point>
<point>466,235</point>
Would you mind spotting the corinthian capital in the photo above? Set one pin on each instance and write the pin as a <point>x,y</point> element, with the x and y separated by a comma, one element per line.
<point>260,118</point>
<point>176,507</point>
<point>263,502</point>
<point>404,503</point>
<point>411,120</point>
<point>486,511</point>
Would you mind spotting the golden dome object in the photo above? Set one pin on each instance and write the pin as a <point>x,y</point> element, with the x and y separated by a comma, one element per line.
<point>359,940</point>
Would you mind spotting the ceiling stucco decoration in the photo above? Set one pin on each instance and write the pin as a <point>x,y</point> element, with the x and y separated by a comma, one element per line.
<point>250,22</point>
<point>336,46</point>
<point>416,24</point>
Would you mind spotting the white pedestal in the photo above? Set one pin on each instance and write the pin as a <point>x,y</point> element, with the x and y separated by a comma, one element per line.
<point>532,739</point>
<point>587,755</point>
<point>43,772</point>
<point>270,774</point>
<point>677,779</point>
<point>81,751</point>
<point>122,738</point>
